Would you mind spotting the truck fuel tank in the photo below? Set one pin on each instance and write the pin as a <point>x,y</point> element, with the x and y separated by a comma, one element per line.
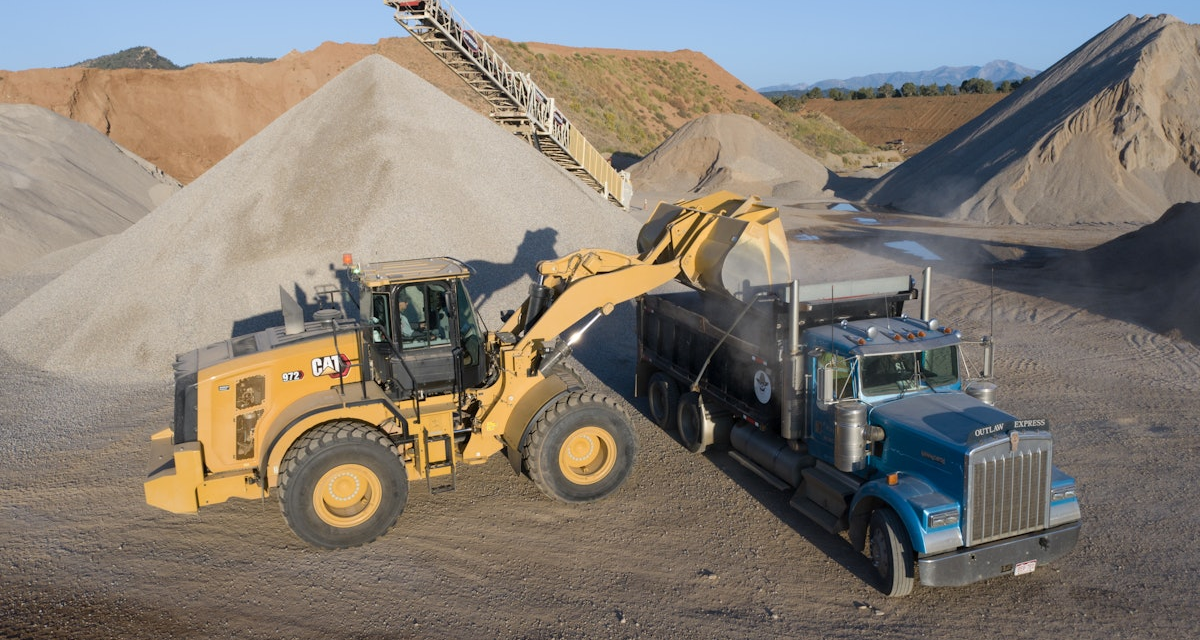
<point>770,452</point>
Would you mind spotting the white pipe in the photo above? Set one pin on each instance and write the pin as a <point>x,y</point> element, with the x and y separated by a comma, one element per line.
<point>928,277</point>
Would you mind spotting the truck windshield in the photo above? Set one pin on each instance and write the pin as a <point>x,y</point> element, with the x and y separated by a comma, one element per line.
<point>899,372</point>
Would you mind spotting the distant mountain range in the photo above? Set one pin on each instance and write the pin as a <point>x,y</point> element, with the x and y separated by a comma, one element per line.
<point>996,71</point>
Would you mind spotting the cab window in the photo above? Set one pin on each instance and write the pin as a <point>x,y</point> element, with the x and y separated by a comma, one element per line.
<point>422,318</point>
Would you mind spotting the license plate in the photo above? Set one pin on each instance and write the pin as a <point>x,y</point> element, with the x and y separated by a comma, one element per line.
<point>1024,567</point>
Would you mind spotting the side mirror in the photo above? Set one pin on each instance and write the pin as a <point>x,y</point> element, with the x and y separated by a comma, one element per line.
<point>826,386</point>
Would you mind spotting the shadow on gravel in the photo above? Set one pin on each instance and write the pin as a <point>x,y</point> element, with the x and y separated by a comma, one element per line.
<point>835,547</point>
<point>489,277</point>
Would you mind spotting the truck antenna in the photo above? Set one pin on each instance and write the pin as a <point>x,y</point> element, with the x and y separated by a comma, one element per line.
<point>992,306</point>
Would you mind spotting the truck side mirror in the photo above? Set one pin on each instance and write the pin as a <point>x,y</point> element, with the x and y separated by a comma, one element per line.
<point>826,386</point>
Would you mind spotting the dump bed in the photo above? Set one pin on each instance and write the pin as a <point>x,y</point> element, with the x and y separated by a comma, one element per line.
<point>745,354</point>
<point>689,336</point>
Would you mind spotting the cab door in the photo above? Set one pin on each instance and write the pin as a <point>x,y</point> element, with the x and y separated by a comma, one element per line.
<point>425,362</point>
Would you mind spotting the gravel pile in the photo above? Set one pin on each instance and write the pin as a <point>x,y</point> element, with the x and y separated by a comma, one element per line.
<point>729,151</point>
<point>378,163</point>
<point>1110,133</point>
<point>62,182</point>
<point>1164,286</point>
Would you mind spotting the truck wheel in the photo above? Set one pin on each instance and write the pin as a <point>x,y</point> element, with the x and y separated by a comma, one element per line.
<point>701,426</point>
<point>663,397</point>
<point>891,553</point>
<point>342,485</point>
<point>580,449</point>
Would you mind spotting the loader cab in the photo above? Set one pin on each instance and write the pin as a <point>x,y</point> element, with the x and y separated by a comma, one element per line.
<point>426,337</point>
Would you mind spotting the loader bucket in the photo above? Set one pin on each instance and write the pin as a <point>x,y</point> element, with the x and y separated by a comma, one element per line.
<point>722,242</point>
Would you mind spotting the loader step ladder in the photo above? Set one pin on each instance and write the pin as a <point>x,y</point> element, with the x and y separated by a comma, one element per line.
<point>447,441</point>
<point>517,103</point>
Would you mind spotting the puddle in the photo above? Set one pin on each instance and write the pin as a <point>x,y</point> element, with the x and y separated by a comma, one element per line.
<point>805,237</point>
<point>868,221</point>
<point>912,247</point>
<point>844,206</point>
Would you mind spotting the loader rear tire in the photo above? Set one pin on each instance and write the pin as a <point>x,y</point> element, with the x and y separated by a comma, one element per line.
<point>581,448</point>
<point>342,485</point>
<point>662,394</point>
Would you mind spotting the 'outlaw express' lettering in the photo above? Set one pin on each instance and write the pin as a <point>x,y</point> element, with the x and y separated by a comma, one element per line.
<point>1015,424</point>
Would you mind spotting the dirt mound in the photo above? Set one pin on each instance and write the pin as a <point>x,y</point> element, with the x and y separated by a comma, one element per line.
<point>339,172</point>
<point>623,101</point>
<point>1108,134</point>
<point>729,151</point>
<point>185,121</point>
<point>62,182</point>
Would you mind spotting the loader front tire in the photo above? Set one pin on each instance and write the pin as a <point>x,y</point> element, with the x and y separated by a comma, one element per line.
<point>342,485</point>
<point>580,449</point>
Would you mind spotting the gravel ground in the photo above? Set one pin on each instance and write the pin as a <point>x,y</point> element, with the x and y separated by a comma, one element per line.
<point>692,546</point>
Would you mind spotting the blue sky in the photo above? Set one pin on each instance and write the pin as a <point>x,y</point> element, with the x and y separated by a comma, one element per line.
<point>763,42</point>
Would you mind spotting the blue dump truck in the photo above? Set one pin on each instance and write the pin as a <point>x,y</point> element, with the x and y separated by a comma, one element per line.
<point>881,426</point>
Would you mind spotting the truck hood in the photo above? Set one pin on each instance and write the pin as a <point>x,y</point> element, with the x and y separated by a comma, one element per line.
<point>950,417</point>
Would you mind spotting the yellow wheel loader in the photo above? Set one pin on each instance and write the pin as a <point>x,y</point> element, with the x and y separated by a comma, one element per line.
<point>338,414</point>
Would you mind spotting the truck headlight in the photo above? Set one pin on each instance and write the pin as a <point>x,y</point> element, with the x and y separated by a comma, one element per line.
<point>1065,492</point>
<point>943,518</point>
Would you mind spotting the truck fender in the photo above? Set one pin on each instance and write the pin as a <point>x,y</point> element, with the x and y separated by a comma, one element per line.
<point>308,413</point>
<point>544,394</point>
<point>909,498</point>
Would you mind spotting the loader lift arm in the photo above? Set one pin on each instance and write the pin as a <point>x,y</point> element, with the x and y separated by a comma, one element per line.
<point>720,242</point>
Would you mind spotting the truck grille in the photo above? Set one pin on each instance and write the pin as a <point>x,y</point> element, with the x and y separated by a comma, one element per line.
<point>1008,492</point>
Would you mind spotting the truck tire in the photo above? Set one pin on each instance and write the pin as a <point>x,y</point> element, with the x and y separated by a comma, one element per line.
<point>700,425</point>
<point>581,448</point>
<point>891,553</point>
<point>342,485</point>
<point>662,394</point>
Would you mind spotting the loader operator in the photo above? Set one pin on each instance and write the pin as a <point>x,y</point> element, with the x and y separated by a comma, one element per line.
<point>406,329</point>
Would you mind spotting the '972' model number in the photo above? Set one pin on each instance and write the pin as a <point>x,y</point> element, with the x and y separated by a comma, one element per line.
<point>293,376</point>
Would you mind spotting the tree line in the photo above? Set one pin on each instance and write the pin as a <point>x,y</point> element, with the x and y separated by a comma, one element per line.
<point>789,102</point>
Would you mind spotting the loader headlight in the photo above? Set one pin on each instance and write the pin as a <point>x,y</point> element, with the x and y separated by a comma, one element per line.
<point>942,518</point>
<point>1065,492</point>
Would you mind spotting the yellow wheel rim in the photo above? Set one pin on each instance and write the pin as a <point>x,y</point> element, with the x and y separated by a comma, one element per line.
<point>347,495</point>
<point>587,455</point>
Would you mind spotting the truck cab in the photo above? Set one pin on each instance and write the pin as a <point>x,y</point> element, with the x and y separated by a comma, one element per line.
<point>974,487</point>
